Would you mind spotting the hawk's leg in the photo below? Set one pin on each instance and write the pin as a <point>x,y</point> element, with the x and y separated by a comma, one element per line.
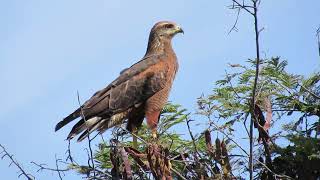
<point>134,138</point>
<point>152,122</point>
<point>154,133</point>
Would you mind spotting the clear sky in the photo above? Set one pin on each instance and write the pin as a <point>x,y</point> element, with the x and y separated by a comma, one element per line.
<point>51,49</point>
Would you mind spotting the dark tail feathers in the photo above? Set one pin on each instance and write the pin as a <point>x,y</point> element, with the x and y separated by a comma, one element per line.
<point>68,119</point>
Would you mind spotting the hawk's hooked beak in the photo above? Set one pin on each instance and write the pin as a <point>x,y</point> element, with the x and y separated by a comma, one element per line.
<point>179,30</point>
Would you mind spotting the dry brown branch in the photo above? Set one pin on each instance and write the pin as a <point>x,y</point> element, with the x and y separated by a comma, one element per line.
<point>220,154</point>
<point>225,163</point>
<point>137,155</point>
<point>159,162</point>
<point>115,172</point>
<point>127,174</point>
<point>209,143</point>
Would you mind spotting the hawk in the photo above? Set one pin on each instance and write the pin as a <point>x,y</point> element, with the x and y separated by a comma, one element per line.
<point>140,91</point>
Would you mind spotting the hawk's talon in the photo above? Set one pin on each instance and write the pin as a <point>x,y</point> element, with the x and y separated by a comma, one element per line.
<point>154,135</point>
<point>169,164</point>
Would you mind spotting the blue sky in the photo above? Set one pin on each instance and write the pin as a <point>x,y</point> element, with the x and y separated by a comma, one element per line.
<point>51,49</point>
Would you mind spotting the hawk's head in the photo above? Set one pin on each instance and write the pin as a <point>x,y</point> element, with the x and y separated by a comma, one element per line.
<point>166,29</point>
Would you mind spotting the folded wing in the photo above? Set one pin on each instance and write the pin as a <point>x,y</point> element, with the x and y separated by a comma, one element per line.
<point>134,86</point>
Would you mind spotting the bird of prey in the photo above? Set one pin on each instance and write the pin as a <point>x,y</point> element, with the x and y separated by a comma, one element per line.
<point>140,91</point>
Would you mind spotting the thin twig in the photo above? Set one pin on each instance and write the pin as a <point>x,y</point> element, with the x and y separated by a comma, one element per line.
<point>89,140</point>
<point>225,134</point>
<point>57,166</point>
<point>195,146</point>
<point>13,161</point>
<point>234,27</point>
<point>133,134</point>
<point>255,15</point>
<point>69,156</point>
<point>177,173</point>
<point>245,124</point>
<point>192,137</point>
<point>242,6</point>
<point>274,174</point>
<point>42,167</point>
<point>314,95</point>
<point>254,89</point>
<point>267,155</point>
<point>318,36</point>
<point>231,85</point>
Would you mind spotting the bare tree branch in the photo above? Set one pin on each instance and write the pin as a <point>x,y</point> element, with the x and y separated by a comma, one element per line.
<point>234,27</point>
<point>15,162</point>
<point>89,140</point>
<point>43,167</point>
<point>274,174</point>
<point>253,102</point>
<point>237,5</point>
<point>69,155</point>
<point>318,36</point>
<point>57,166</point>
<point>177,173</point>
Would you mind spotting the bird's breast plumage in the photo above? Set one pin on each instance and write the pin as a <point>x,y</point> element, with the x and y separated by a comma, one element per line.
<point>167,72</point>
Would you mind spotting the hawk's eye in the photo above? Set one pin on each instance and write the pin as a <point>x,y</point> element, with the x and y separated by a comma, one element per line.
<point>168,26</point>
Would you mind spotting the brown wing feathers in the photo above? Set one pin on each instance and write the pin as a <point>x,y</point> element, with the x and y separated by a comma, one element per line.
<point>109,106</point>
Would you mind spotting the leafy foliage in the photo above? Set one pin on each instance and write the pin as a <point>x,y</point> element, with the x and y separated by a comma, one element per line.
<point>279,96</point>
